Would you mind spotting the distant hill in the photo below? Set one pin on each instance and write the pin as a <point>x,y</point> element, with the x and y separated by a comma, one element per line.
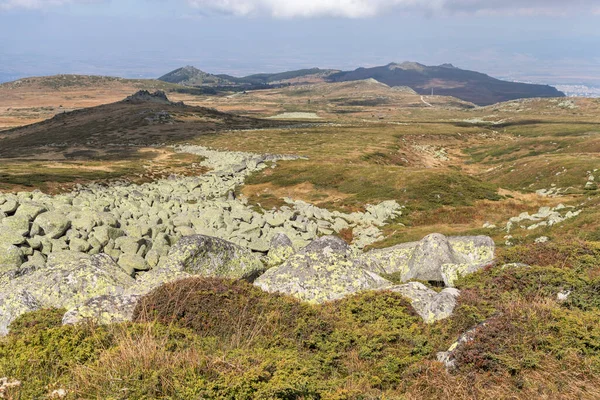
<point>191,76</point>
<point>111,130</point>
<point>266,79</point>
<point>447,80</point>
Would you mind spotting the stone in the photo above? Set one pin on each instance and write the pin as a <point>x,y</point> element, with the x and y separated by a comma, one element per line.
<point>13,304</point>
<point>425,260</point>
<point>10,236</point>
<point>18,224</point>
<point>132,263</point>
<point>71,278</point>
<point>281,248</point>
<point>11,257</point>
<point>105,309</point>
<point>53,225</point>
<point>320,272</point>
<point>30,210</point>
<point>429,304</point>
<point>213,257</point>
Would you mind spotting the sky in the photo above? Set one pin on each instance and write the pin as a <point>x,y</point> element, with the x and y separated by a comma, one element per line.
<point>542,41</point>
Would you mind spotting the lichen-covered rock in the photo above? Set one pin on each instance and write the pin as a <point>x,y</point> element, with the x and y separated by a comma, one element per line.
<point>13,304</point>
<point>30,210</point>
<point>10,236</point>
<point>429,304</point>
<point>425,260</point>
<point>132,263</point>
<point>104,309</point>
<point>11,257</point>
<point>53,224</point>
<point>212,257</point>
<point>281,248</point>
<point>430,254</point>
<point>69,280</point>
<point>451,272</point>
<point>322,271</point>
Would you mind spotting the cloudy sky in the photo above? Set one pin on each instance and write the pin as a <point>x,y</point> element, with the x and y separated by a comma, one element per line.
<point>548,41</point>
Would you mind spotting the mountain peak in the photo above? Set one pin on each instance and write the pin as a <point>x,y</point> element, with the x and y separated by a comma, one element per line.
<point>407,65</point>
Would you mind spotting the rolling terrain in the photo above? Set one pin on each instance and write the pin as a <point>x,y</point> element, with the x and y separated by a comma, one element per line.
<point>522,173</point>
<point>448,80</point>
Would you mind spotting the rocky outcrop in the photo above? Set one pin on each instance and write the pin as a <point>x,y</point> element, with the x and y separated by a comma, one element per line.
<point>436,258</point>
<point>323,271</point>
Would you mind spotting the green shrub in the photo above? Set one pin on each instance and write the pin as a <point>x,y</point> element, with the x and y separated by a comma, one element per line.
<point>37,320</point>
<point>235,311</point>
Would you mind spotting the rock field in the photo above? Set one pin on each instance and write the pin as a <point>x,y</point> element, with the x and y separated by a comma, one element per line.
<point>96,250</point>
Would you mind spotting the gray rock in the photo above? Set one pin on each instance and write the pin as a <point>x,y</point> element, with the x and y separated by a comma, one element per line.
<point>11,257</point>
<point>70,279</point>
<point>9,236</point>
<point>213,257</point>
<point>53,225</point>
<point>281,248</point>
<point>429,304</point>
<point>435,258</point>
<point>30,210</point>
<point>321,272</point>
<point>104,309</point>
<point>13,304</point>
<point>132,263</point>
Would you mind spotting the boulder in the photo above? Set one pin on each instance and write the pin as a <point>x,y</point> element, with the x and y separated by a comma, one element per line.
<point>281,248</point>
<point>10,236</point>
<point>429,304</point>
<point>11,257</point>
<point>213,257</point>
<point>13,304</point>
<point>70,279</point>
<point>104,309</point>
<point>435,258</point>
<point>30,210</point>
<point>322,271</point>
<point>132,263</point>
<point>53,225</point>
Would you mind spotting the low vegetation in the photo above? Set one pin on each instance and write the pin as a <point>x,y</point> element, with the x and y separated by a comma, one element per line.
<point>223,339</point>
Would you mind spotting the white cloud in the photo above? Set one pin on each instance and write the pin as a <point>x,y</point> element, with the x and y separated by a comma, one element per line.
<point>38,4</point>
<point>368,8</point>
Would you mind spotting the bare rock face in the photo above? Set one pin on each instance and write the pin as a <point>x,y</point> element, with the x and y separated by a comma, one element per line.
<point>322,271</point>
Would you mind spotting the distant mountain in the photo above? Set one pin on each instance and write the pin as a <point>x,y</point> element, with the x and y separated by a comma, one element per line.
<point>191,76</point>
<point>265,79</point>
<point>447,80</point>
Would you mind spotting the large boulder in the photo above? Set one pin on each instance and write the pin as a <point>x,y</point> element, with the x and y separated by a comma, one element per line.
<point>435,258</point>
<point>69,279</point>
<point>213,257</point>
<point>322,271</point>
<point>14,303</point>
<point>105,309</point>
<point>53,224</point>
<point>429,304</point>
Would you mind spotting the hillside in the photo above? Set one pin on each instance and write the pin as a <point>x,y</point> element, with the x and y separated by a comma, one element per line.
<point>109,130</point>
<point>29,100</point>
<point>191,76</point>
<point>447,80</point>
